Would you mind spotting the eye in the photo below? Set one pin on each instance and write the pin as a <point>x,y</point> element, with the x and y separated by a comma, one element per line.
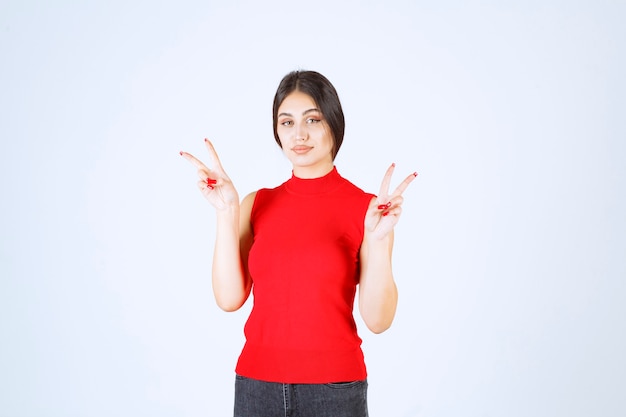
<point>311,120</point>
<point>286,123</point>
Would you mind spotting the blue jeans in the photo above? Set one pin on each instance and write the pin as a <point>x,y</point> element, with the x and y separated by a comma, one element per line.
<point>255,398</point>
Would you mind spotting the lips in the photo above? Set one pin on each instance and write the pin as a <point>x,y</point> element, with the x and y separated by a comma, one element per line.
<point>300,149</point>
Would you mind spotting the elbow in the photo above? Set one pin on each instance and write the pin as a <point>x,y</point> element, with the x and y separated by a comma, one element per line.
<point>229,305</point>
<point>230,299</point>
<point>378,327</point>
<point>378,314</point>
<point>378,321</point>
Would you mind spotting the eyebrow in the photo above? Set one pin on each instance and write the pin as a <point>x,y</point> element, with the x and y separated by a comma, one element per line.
<point>304,114</point>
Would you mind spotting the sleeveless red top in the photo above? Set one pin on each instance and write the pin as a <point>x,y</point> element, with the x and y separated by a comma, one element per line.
<point>304,264</point>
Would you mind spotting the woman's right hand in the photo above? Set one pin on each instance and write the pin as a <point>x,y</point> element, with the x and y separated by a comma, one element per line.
<point>214,184</point>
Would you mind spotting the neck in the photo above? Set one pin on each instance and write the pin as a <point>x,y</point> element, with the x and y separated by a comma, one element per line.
<point>309,172</point>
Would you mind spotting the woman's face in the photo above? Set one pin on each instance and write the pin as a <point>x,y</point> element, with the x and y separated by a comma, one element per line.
<point>304,136</point>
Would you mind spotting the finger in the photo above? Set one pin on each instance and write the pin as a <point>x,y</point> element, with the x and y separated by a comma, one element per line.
<point>213,155</point>
<point>391,204</point>
<point>204,173</point>
<point>195,161</point>
<point>396,211</point>
<point>394,202</point>
<point>384,186</point>
<point>206,180</point>
<point>203,185</point>
<point>404,184</point>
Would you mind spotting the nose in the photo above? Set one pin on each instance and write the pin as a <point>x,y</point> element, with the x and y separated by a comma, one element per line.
<point>301,132</point>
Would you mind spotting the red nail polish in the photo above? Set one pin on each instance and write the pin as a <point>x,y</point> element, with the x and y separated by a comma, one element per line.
<point>210,181</point>
<point>382,206</point>
<point>210,187</point>
<point>181,153</point>
<point>415,174</point>
<point>385,213</point>
<point>393,164</point>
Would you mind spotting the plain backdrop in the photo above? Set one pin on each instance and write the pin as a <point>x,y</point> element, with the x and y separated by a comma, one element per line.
<point>509,257</point>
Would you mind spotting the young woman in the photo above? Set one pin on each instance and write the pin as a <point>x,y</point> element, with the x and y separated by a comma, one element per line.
<point>302,248</point>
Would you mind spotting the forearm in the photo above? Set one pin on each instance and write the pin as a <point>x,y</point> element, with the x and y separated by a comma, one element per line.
<point>230,283</point>
<point>378,294</point>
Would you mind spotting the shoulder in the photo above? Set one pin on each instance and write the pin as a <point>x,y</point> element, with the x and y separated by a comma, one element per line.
<point>355,190</point>
<point>265,194</point>
<point>245,208</point>
<point>259,198</point>
<point>353,196</point>
<point>249,199</point>
<point>348,183</point>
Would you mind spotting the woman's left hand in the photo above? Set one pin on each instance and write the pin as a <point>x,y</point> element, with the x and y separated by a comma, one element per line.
<point>384,210</point>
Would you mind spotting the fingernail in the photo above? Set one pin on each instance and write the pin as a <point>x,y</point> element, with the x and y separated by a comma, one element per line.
<point>393,164</point>
<point>181,153</point>
<point>210,187</point>
<point>385,213</point>
<point>210,181</point>
<point>382,206</point>
<point>415,174</point>
<point>206,140</point>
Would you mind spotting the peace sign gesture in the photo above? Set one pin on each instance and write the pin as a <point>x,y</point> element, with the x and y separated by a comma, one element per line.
<point>384,211</point>
<point>214,184</point>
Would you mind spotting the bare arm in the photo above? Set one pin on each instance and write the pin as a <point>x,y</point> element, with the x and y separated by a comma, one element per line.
<point>378,294</point>
<point>233,238</point>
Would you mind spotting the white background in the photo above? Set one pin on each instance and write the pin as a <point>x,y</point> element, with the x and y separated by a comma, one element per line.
<point>509,256</point>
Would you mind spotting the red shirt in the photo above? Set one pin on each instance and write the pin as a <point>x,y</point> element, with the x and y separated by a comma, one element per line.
<point>304,264</point>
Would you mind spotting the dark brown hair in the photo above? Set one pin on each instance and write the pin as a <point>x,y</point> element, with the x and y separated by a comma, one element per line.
<point>323,94</point>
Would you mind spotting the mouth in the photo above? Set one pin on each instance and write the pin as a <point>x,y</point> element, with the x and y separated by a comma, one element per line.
<point>300,149</point>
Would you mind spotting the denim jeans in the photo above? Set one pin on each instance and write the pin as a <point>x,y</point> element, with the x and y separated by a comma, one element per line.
<point>255,398</point>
